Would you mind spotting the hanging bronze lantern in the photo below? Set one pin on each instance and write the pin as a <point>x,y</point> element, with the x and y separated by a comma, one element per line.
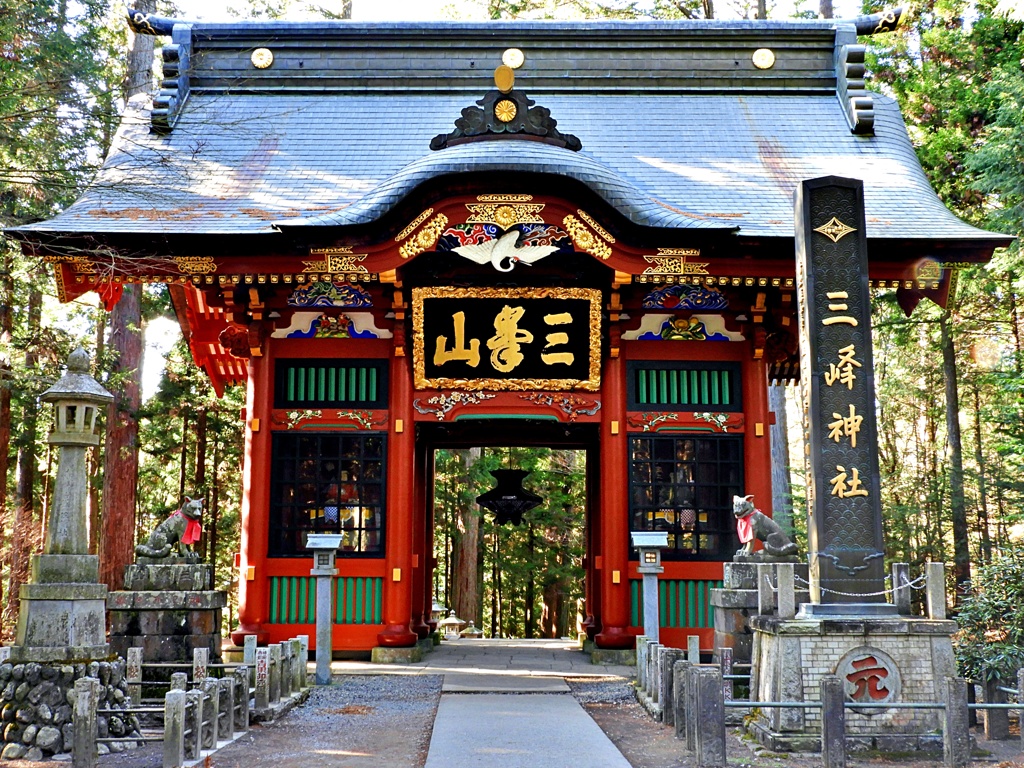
<point>509,500</point>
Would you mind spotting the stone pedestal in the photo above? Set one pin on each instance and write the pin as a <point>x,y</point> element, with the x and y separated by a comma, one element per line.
<point>168,608</point>
<point>899,659</point>
<point>736,602</point>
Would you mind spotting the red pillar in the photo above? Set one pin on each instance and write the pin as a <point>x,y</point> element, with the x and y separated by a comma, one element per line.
<point>398,580</point>
<point>757,448</point>
<point>253,601</point>
<point>614,529</point>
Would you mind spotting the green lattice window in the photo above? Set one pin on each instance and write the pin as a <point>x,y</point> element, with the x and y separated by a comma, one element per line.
<point>684,386</point>
<point>330,383</point>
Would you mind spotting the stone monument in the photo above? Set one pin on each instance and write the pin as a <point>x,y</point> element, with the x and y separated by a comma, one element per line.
<point>847,628</point>
<point>168,607</point>
<point>61,635</point>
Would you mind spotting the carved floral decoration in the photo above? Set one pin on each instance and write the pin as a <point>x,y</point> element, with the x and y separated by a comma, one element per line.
<point>441,405</point>
<point>571,405</point>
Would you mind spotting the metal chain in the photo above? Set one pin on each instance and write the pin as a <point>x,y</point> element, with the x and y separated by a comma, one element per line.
<point>917,583</point>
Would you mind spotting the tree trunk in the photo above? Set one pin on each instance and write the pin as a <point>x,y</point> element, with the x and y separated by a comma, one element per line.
<point>782,491</point>
<point>122,441</point>
<point>183,460</point>
<point>531,585</point>
<point>95,457</point>
<point>979,459</point>
<point>709,8</point>
<point>825,10</point>
<point>214,497</point>
<point>465,550</point>
<point>6,331</point>
<point>199,479</point>
<point>762,10</point>
<point>139,76</point>
<point>958,507</point>
<point>24,532</point>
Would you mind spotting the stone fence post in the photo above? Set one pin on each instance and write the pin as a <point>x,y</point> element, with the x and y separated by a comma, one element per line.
<point>174,729</point>
<point>249,656</point>
<point>133,674</point>
<point>262,679</point>
<point>901,588</point>
<point>211,711</point>
<point>935,590</point>
<point>179,681</point>
<point>669,657</point>
<point>693,649</point>
<point>241,714</point>
<point>710,729</point>
<point>641,662</point>
<point>193,723</point>
<point>5,653</point>
<point>956,736</point>
<point>285,675</point>
<point>275,672</point>
<point>83,749</point>
<point>765,588</point>
<point>200,661</point>
<point>785,583</point>
<point>680,673</point>
<point>997,721</point>
<point>304,663</point>
<point>833,723</point>
<point>298,665</point>
<point>226,712</point>
<point>652,669</point>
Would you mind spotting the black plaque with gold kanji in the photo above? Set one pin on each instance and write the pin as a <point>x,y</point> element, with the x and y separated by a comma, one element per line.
<point>514,338</point>
<point>837,376</point>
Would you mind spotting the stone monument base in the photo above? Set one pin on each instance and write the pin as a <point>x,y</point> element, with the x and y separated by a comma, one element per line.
<point>168,609</point>
<point>736,602</point>
<point>383,654</point>
<point>879,659</point>
<point>36,700</point>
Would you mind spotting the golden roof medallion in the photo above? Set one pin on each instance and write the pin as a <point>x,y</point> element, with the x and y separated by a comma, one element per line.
<point>262,58</point>
<point>513,58</point>
<point>505,110</point>
<point>763,58</point>
<point>504,78</point>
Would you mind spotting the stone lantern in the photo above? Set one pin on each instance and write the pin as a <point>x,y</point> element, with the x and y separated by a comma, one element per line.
<point>62,614</point>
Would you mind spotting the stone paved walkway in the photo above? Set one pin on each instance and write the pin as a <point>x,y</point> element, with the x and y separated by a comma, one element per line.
<point>479,724</point>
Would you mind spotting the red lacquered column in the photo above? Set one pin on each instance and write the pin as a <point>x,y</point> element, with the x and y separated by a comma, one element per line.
<point>614,529</point>
<point>757,449</point>
<point>398,579</point>
<point>252,595</point>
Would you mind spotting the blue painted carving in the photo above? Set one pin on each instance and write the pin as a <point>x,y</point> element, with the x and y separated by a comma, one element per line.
<point>331,295</point>
<point>683,329</point>
<point>685,297</point>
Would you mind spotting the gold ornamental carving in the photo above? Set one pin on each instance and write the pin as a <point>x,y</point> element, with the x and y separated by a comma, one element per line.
<point>195,265</point>
<point>505,110</point>
<point>505,215</point>
<point>336,260</point>
<point>80,265</point>
<point>262,58</point>
<point>413,224</point>
<point>584,239</point>
<point>673,261</point>
<point>834,230</point>
<point>425,238</point>
<point>595,226</point>
<point>504,198</point>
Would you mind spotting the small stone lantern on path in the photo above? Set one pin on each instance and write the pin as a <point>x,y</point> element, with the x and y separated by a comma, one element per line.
<point>325,550</point>
<point>650,544</point>
<point>450,626</point>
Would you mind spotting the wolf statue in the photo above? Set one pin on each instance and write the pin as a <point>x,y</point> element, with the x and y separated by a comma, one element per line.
<point>753,525</point>
<point>180,531</point>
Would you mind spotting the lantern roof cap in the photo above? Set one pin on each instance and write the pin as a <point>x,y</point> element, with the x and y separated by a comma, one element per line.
<point>77,383</point>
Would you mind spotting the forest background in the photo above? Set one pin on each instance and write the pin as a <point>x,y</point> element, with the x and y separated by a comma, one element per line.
<point>950,381</point>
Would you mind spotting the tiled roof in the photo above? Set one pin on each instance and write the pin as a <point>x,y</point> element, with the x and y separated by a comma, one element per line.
<point>240,163</point>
